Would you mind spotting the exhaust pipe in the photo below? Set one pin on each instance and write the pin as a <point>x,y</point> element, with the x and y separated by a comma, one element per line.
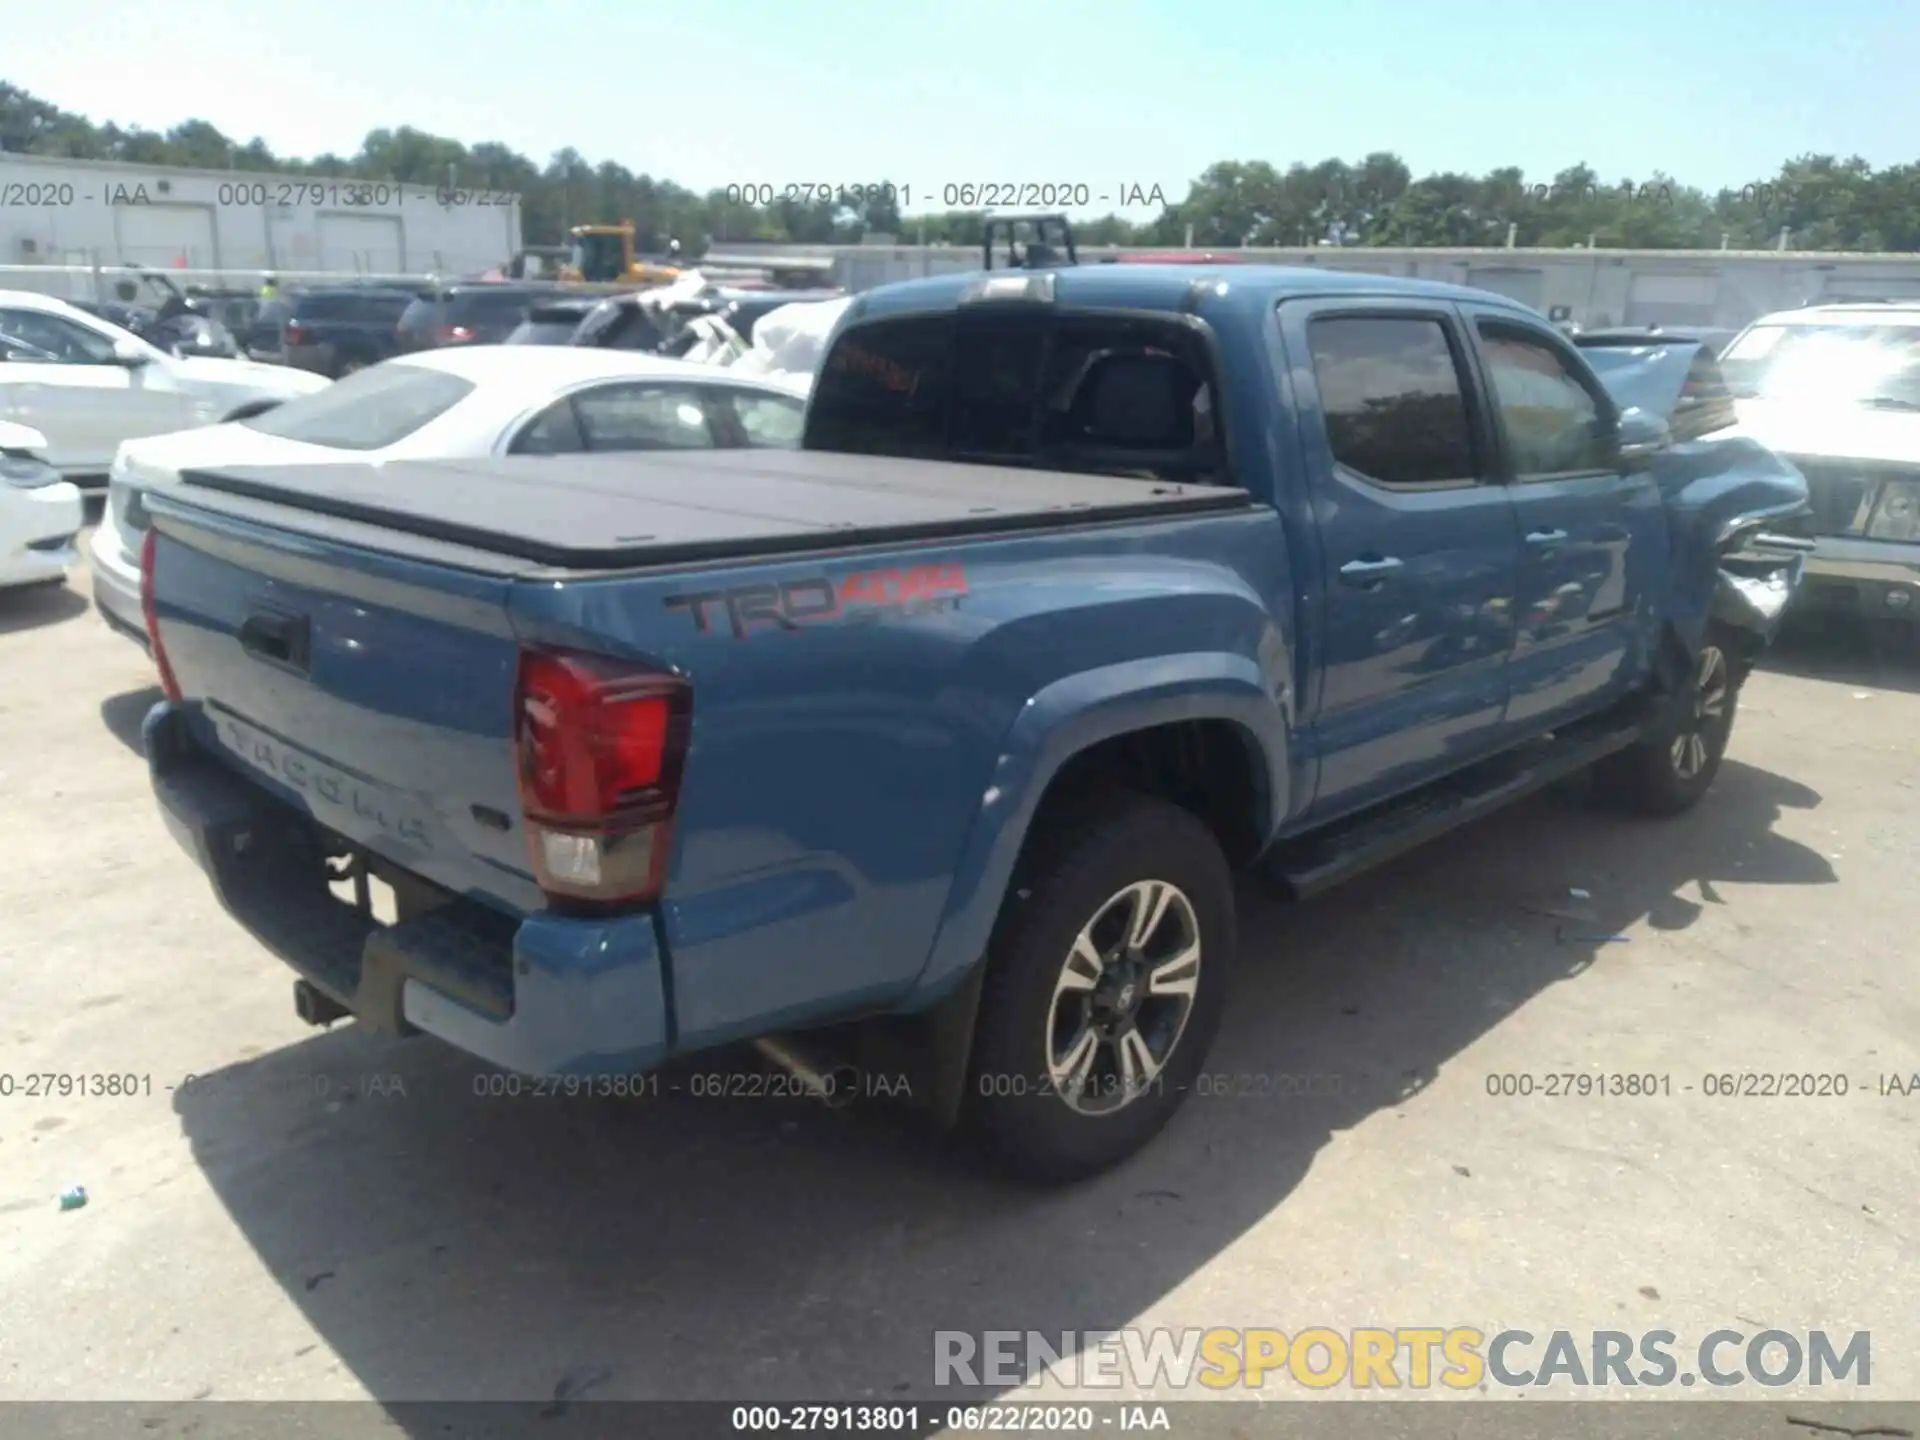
<point>833,1082</point>
<point>315,1006</point>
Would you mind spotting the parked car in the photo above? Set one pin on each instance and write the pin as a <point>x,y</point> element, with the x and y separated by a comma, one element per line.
<point>933,746</point>
<point>334,332</point>
<point>40,514</point>
<point>1836,389</point>
<point>454,404</point>
<point>552,322</point>
<point>86,384</point>
<point>482,313</point>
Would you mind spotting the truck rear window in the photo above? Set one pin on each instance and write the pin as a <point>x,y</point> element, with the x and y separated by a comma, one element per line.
<point>370,410</point>
<point>1109,394</point>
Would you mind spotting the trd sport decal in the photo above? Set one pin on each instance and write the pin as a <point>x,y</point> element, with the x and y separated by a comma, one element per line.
<point>860,598</point>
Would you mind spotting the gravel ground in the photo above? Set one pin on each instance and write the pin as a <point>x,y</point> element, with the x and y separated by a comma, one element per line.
<point>334,1215</point>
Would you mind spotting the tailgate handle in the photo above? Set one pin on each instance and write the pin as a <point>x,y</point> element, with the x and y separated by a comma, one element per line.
<point>277,639</point>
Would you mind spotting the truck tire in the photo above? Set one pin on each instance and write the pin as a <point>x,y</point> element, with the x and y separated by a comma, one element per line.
<point>1106,978</point>
<point>1669,771</point>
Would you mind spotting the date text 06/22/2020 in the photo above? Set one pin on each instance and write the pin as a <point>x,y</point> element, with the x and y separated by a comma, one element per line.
<point>962,195</point>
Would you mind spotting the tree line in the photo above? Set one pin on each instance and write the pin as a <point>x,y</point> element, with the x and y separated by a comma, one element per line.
<point>1817,202</point>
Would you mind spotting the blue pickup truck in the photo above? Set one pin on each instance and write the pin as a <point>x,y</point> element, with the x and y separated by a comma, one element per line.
<point>931,749</point>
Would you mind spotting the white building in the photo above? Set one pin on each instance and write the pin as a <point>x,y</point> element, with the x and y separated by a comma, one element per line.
<point>94,212</point>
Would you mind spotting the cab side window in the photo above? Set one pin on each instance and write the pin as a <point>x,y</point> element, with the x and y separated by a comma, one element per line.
<point>1554,424</point>
<point>1396,412</point>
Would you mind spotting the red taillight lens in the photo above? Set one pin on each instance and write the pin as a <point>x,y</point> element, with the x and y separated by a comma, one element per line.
<point>454,334</point>
<point>151,613</point>
<point>600,744</point>
<point>295,333</point>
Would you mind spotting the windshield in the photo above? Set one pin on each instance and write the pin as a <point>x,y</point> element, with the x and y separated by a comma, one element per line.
<point>598,257</point>
<point>371,410</point>
<point>1849,364</point>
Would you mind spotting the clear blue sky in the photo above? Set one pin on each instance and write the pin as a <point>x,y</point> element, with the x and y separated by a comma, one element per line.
<point>705,92</point>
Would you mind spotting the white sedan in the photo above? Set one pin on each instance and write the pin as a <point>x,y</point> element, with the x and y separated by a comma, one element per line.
<point>86,384</point>
<point>40,514</point>
<point>451,404</point>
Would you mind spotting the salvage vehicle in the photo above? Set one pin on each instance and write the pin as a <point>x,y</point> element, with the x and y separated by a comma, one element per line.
<point>477,313</point>
<point>446,404</point>
<point>1836,389</point>
<point>88,384</point>
<point>40,514</point>
<point>928,752</point>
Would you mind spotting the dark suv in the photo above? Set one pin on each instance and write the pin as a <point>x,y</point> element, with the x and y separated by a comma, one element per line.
<point>334,332</point>
<point>484,313</point>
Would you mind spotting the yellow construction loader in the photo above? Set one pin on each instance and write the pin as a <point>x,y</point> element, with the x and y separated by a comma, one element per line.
<point>603,255</point>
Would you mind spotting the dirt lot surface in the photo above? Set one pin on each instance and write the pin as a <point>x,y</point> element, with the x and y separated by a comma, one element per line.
<point>339,1215</point>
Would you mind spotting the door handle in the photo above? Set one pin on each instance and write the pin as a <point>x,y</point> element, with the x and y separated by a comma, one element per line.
<point>1545,537</point>
<point>1368,573</point>
<point>280,640</point>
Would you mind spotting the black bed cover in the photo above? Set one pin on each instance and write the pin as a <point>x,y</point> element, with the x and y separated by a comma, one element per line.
<point>615,511</point>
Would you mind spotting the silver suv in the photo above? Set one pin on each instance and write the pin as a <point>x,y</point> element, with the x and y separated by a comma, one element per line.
<point>1836,390</point>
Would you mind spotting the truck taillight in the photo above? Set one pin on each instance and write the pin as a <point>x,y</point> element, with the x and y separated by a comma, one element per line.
<point>150,611</point>
<point>295,333</point>
<point>599,746</point>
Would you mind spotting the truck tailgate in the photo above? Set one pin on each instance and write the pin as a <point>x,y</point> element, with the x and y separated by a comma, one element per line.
<point>373,691</point>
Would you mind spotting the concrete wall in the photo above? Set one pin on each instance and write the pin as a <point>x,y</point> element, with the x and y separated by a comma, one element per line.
<point>1591,287</point>
<point>83,212</point>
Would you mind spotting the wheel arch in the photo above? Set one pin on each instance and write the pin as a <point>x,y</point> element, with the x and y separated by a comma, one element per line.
<point>1117,724</point>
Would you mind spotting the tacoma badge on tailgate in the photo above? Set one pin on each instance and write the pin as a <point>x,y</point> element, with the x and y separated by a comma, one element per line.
<point>325,785</point>
<point>859,598</point>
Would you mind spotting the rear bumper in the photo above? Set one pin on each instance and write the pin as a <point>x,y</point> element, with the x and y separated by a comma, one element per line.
<point>116,591</point>
<point>317,358</point>
<point>1864,577</point>
<point>541,995</point>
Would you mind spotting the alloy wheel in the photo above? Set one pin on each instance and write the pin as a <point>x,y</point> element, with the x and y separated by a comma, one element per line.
<point>1691,748</point>
<point>1123,997</point>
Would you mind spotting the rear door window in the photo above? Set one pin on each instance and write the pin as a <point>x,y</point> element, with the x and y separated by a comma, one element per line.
<point>765,422</point>
<point>368,410</point>
<point>643,417</point>
<point>554,431</point>
<point>1392,402</point>
<point>419,315</point>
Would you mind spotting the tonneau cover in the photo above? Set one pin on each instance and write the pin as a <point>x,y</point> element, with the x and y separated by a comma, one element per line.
<point>672,507</point>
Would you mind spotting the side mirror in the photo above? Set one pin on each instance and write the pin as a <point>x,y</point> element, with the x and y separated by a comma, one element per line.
<point>131,353</point>
<point>1640,436</point>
